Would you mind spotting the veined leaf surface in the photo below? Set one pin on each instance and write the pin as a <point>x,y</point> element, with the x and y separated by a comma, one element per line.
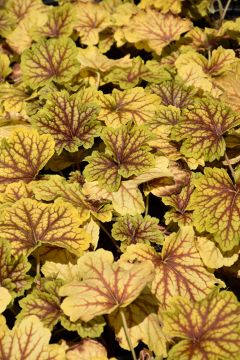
<point>208,329</point>
<point>105,286</point>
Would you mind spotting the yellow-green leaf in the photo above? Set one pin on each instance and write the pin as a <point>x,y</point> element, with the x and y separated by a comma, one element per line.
<point>105,286</point>
<point>179,269</point>
<point>71,123</point>
<point>5,69</point>
<point>122,106</point>
<point>5,298</point>
<point>28,223</point>
<point>208,329</point>
<point>23,154</point>
<point>50,60</point>
<point>216,205</point>
<point>202,129</point>
<point>126,154</point>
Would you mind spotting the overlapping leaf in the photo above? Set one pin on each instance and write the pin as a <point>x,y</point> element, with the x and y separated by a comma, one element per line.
<point>19,9</point>
<point>174,6</point>
<point>105,286</point>
<point>28,223</point>
<point>208,329</point>
<point>5,298</point>
<point>71,123</point>
<point>216,205</point>
<point>179,269</point>
<point>155,29</point>
<point>203,127</point>
<point>91,20</point>
<point>143,324</point>
<point>28,340</point>
<point>87,349</point>
<point>13,271</point>
<point>126,154</point>
<point>50,60</point>
<point>122,106</point>
<point>137,229</point>
<point>23,155</point>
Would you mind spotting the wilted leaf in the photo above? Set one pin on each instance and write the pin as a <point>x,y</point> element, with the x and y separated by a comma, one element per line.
<point>29,340</point>
<point>50,60</point>
<point>137,229</point>
<point>23,155</point>
<point>87,349</point>
<point>105,286</point>
<point>91,20</point>
<point>216,205</point>
<point>155,29</point>
<point>28,223</point>
<point>126,154</point>
<point>202,129</point>
<point>143,324</point>
<point>179,269</point>
<point>207,329</point>
<point>122,106</point>
<point>71,123</point>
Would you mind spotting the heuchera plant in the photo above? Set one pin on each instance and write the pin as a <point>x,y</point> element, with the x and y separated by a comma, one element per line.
<point>119,180</point>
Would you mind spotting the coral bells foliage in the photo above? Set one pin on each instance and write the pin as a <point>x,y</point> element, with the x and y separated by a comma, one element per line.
<point>119,180</point>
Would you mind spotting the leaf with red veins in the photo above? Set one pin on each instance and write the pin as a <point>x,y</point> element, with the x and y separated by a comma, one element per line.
<point>179,269</point>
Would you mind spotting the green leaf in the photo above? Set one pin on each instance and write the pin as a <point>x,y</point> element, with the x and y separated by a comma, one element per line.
<point>71,123</point>
<point>23,148</point>
<point>49,60</point>
<point>137,229</point>
<point>202,129</point>
<point>216,205</point>
<point>207,329</point>
<point>126,154</point>
<point>28,223</point>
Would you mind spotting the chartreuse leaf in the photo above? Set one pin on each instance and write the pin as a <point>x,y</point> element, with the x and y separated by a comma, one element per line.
<point>143,324</point>
<point>91,20</point>
<point>71,123</point>
<point>45,304</point>
<point>212,256</point>
<point>28,223</point>
<point>122,106</point>
<point>174,6</point>
<point>14,192</point>
<point>166,117</point>
<point>6,23</point>
<point>50,60</point>
<point>202,129</point>
<point>23,154</point>
<point>174,93</point>
<point>208,329</point>
<point>216,205</point>
<point>60,22</point>
<point>179,269</point>
<point>127,154</point>
<point>137,229</point>
<point>147,27</point>
<point>56,186</point>
<point>13,270</point>
<point>105,286</point>
<point>28,340</point>
<point>129,77</point>
<point>14,97</point>
<point>179,203</point>
<point>19,9</point>
<point>5,69</point>
<point>88,349</point>
<point>5,298</point>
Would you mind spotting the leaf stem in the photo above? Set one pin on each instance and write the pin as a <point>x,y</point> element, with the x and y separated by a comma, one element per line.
<point>146,205</point>
<point>230,167</point>
<point>225,10</point>
<point>38,265</point>
<point>98,79</point>
<point>125,327</point>
<point>220,8</point>
<point>109,235</point>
